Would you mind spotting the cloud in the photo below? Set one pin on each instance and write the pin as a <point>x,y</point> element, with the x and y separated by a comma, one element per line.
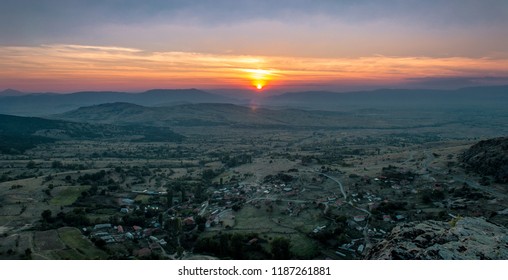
<point>81,67</point>
<point>265,27</point>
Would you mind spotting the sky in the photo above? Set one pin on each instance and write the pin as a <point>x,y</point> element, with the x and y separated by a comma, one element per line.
<point>285,45</point>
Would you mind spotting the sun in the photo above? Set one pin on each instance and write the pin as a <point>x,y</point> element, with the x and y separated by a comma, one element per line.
<point>259,78</point>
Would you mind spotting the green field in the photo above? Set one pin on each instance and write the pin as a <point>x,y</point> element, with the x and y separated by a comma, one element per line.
<point>78,246</point>
<point>68,195</point>
<point>143,198</point>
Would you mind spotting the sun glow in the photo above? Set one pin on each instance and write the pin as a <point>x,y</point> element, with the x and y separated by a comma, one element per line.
<point>73,67</point>
<point>259,77</point>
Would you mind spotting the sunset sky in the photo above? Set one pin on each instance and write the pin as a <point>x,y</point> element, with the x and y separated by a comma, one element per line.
<point>289,45</point>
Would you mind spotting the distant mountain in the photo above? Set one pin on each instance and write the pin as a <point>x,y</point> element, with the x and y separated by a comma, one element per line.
<point>18,134</point>
<point>11,92</point>
<point>492,97</point>
<point>214,114</point>
<point>240,94</point>
<point>178,115</point>
<point>51,103</point>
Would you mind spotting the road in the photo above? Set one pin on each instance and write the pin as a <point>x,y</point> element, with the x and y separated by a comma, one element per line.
<point>202,212</point>
<point>274,199</point>
<point>336,181</point>
<point>411,157</point>
<point>367,243</point>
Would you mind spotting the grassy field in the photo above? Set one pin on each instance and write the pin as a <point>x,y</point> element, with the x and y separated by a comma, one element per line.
<point>67,195</point>
<point>48,240</point>
<point>78,246</point>
<point>142,198</point>
<point>303,247</point>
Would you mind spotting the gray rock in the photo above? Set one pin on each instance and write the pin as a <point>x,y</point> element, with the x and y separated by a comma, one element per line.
<point>467,239</point>
<point>489,158</point>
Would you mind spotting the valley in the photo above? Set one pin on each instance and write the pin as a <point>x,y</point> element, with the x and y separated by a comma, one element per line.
<point>224,181</point>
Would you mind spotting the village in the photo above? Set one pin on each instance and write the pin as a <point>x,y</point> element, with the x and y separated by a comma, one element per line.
<point>218,197</point>
<point>367,208</point>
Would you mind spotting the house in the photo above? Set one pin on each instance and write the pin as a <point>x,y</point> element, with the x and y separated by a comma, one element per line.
<point>387,218</point>
<point>360,249</point>
<point>189,221</point>
<point>252,241</point>
<point>126,201</point>
<point>143,252</point>
<point>400,217</point>
<point>318,229</point>
<point>102,226</point>
<point>359,218</point>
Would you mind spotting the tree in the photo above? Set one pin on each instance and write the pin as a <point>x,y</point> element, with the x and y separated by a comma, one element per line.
<point>30,164</point>
<point>201,222</point>
<point>28,253</point>
<point>237,246</point>
<point>46,215</point>
<point>101,243</point>
<point>57,164</point>
<point>280,248</point>
<point>179,251</point>
<point>169,197</point>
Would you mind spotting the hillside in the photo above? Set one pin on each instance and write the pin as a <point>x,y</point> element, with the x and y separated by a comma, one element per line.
<point>465,239</point>
<point>43,104</point>
<point>489,158</point>
<point>478,98</point>
<point>11,92</point>
<point>228,115</point>
<point>473,97</point>
<point>18,134</point>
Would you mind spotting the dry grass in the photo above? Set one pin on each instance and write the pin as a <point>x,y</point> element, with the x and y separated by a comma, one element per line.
<point>67,195</point>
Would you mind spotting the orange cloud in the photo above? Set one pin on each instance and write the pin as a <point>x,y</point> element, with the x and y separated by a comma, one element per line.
<point>77,67</point>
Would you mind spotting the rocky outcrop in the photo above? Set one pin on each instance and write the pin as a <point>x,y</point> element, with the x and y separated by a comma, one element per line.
<point>489,158</point>
<point>463,239</point>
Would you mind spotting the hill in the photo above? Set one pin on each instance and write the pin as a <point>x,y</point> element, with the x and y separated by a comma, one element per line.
<point>208,114</point>
<point>218,114</point>
<point>473,97</point>
<point>43,104</point>
<point>18,134</point>
<point>11,92</point>
<point>489,158</point>
<point>467,239</point>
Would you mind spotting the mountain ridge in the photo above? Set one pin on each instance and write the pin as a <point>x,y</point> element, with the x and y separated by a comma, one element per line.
<point>44,104</point>
<point>18,134</point>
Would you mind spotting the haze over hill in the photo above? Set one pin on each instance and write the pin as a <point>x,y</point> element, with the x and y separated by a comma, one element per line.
<point>210,114</point>
<point>348,183</point>
<point>11,92</point>
<point>488,97</point>
<point>52,103</point>
<point>492,97</point>
<point>204,114</point>
<point>18,134</point>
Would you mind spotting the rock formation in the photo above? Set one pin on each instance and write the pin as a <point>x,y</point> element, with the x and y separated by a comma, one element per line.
<point>460,239</point>
<point>489,158</point>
